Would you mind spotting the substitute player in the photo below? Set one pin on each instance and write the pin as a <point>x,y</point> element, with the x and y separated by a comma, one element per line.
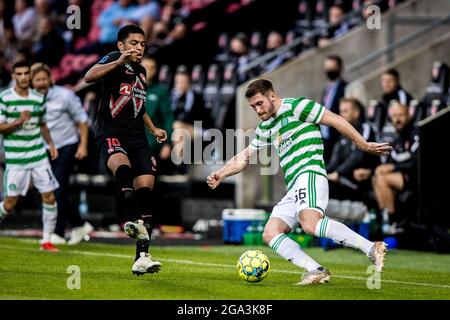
<point>292,126</point>
<point>23,126</point>
<point>121,138</point>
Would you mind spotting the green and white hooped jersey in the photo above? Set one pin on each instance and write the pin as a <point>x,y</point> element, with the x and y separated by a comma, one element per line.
<point>24,147</point>
<point>295,133</point>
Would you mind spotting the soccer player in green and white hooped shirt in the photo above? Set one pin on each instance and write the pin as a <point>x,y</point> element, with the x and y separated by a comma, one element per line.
<point>23,126</point>
<point>292,126</point>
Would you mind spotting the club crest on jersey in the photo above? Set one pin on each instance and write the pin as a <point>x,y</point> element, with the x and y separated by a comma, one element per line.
<point>142,77</point>
<point>284,122</point>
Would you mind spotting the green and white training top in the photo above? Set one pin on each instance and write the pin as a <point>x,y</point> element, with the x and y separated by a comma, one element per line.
<point>24,147</point>
<point>295,133</point>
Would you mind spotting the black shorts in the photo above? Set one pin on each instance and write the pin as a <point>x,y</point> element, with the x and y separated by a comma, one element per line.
<point>137,150</point>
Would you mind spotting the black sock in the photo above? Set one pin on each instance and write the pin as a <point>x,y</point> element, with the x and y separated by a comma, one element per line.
<point>124,179</point>
<point>145,204</point>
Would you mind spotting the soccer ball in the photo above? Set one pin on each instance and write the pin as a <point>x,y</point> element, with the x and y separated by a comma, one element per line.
<point>253,265</point>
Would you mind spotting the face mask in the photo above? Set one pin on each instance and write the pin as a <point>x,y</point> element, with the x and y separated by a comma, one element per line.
<point>332,74</point>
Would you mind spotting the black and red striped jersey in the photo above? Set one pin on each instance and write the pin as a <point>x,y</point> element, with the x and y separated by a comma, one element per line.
<point>122,103</point>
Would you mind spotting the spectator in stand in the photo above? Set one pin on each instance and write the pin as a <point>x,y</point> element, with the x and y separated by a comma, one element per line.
<point>334,90</point>
<point>188,108</point>
<point>274,41</point>
<point>349,169</point>
<point>158,108</point>
<point>338,25</point>
<point>68,125</point>
<point>158,37</point>
<point>239,56</point>
<point>5,75</point>
<point>25,22</point>
<point>112,19</point>
<point>392,90</point>
<point>51,47</point>
<point>145,8</point>
<point>399,172</point>
<point>44,9</point>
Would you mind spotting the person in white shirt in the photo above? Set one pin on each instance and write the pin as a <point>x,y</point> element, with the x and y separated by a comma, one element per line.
<point>68,125</point>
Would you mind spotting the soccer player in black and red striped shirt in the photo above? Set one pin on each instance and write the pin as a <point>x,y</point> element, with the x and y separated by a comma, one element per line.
<point>121,139</point>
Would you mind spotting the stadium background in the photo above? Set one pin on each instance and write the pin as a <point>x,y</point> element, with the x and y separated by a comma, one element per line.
<point>196,36</point>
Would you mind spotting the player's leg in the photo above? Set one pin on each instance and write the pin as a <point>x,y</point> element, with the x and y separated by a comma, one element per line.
<point>385,187</point>
<point>143,185</point>
<point>120,166</point>
<point>144,167</point>
<point>7,206</point>
<point>275,236</point>
<point>15,184</point>
<point>45,182</point>
<point>49,215</point>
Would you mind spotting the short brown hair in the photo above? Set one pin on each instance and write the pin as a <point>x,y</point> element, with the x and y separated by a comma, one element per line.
<point>356,104</point>
<point>260,85</point>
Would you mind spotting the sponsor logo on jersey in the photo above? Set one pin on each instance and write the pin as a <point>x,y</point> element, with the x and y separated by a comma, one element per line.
<point>125,89</point>
<point>285,144</point>
<point>128,72</point>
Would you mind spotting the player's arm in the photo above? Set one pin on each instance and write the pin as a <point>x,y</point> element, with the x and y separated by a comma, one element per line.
<point>160,134</point>
<point>16,124</point>
<point>235,165</point>
<point>100,70</point>
<point>344,127</point>
<point>48,139</point>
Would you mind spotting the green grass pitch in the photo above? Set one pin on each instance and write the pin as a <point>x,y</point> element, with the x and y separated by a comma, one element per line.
<point>209,273</point>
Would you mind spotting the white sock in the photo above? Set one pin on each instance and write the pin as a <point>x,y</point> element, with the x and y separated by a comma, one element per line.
<point>340,233</point>
<point>49,215</point>
<point>291,251</point>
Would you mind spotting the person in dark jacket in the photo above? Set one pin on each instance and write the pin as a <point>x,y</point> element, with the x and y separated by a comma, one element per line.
<point>190,113</point>
<point>399,172</point>
<point>334,90</point>
<point>349,168</point>
<point>392,91</point>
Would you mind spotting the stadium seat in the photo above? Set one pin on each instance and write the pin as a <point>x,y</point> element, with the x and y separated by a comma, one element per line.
<point>320,14</point>
<point>223,43</point>
<point>165,76</point>
<point>436,93</point>
<point>303,22</point>
<point>256,45</point>
<point>211,89</point>
<point>227,95</point>
<point>197,78</point>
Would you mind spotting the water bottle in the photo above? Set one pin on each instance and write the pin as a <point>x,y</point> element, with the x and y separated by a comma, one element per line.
<point>83,206</point>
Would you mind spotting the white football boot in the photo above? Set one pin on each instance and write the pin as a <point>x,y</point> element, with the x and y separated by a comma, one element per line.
<point>136,230</point>
<point>377,254</point>
<point>145,264</point>
<point>79,233</point>
<point>57,239</point>
<point>320,275</point>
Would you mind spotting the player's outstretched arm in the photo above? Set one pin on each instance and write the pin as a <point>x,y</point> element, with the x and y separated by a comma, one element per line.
<point>98,71</point>
<point>343,126</point>
<point>235,165</point>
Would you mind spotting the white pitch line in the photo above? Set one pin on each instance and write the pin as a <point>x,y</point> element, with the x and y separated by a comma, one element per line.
<point>124,256</point>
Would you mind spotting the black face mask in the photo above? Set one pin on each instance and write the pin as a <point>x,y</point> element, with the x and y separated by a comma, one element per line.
<point>332,74</point>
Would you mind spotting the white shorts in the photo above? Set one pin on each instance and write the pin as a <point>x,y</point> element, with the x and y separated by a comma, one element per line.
<point>310,191</point>
<point>17,181</point>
